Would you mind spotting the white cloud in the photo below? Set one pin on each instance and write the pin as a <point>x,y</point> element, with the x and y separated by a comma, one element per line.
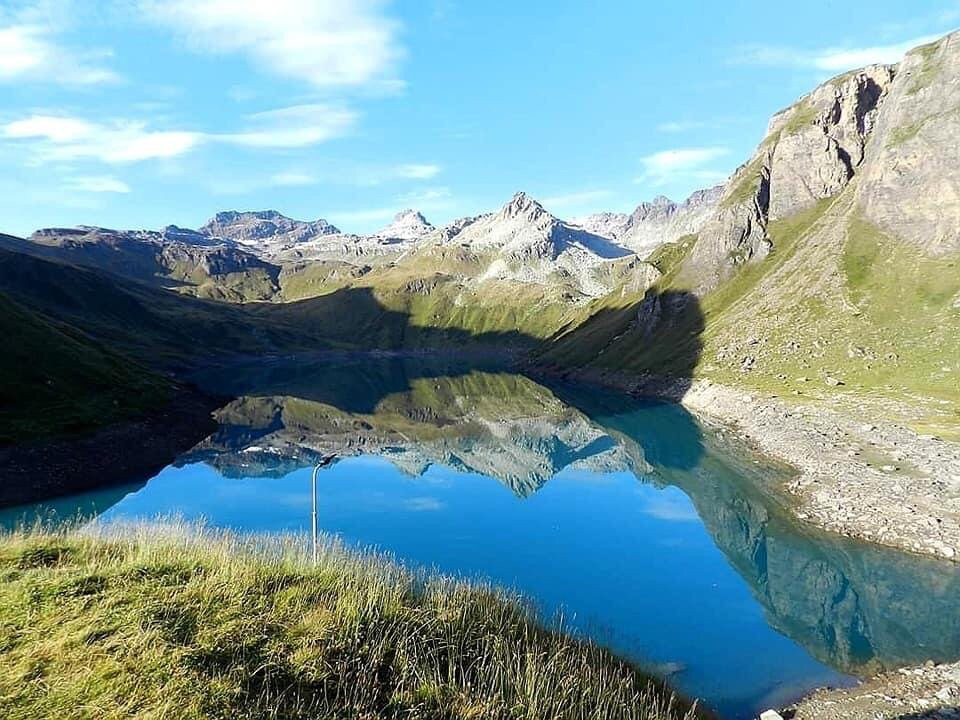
<point>670,508</point>
<point>58,138</point>
<point>292,127</point>
<point>681,126</point>
<point>682,164</point>
<point>434,199</point>
<point>417,172</point>
<point>833,59</point>
<point>30,52</point>
<point>426,198</point>
<point>96,184</point>
<point>326,43</point>
<point>348,218</point>
<point>63,138</point>
<point>292,178</point>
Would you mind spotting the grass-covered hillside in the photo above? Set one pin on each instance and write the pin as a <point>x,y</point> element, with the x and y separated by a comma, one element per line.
<point>57,380</point>
<point>163,622</point>
<point>825,274</point>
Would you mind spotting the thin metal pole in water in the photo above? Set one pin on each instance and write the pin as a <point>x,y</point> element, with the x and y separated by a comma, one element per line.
<point>313,511</point>
<point>313,504</point>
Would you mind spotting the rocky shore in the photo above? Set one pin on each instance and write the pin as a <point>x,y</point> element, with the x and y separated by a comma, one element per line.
<point>930,691</point>
<point>881,483</point>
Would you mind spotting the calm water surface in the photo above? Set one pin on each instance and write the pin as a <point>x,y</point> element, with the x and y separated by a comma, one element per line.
<point>654,535</point>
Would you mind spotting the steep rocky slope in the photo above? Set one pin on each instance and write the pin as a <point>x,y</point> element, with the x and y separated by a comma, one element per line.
<point>812,274</point>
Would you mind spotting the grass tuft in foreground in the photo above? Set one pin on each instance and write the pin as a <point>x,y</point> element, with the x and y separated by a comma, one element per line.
<point>180,622</point>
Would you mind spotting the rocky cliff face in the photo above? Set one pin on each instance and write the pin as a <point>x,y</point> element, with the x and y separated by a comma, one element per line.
<point>811,151</point>
<point>911,185</point>
<point>524,243</point>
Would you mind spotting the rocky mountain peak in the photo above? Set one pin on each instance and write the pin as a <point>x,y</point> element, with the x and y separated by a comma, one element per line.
<point>251,226</point>
<point>410,215</point>
<point>407,225</point>
<point>523,206</point>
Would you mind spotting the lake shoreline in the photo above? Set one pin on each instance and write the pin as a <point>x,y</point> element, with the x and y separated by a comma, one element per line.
<point>877,482</point>
<point>113,454</point>
<point>927,691</point>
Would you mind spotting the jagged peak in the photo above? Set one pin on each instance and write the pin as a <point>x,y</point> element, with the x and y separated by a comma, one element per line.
<point>522,205</point>
<point>407,224</point>
<point>410,215</point>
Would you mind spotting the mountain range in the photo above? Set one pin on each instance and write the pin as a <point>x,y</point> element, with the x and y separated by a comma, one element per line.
<point>826,264</point>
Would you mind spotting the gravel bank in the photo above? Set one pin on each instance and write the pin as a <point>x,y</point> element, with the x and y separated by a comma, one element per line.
<point>881,483</point>
<point>931,691</point>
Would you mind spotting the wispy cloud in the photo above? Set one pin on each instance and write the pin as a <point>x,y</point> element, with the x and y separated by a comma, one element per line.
<point>59,138</point>
<point>326,43</point>
<point>670,508</point>
<point>683,165</point>
<point>681,126</point>
<point>417,172</point>
<point>30,52</point>
<point>292,127</point>
<point>96,184</point>
<point>425,199</point>
<point>62,137</point>
<point>293,178</point>
<point>831,59</point>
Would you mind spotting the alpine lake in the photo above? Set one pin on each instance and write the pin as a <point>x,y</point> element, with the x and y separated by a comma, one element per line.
<point>661,538</point>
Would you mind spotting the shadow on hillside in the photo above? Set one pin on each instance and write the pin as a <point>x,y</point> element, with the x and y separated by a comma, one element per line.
<point>651,347</point>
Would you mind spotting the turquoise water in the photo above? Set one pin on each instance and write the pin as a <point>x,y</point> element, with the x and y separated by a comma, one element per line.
<point>652,534</point>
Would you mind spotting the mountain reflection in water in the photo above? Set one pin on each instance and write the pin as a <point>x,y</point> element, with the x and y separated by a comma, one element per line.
<point>577,461</point>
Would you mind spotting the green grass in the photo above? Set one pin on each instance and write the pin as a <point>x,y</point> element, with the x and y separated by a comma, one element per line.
<point>747,184</point>
<point>801,117</point>
<point>929,66</point>
<point>784,235</point>
<point>901,135</point>
<point>57,381</point>
<point>172,622</point>
<point>668,258</point>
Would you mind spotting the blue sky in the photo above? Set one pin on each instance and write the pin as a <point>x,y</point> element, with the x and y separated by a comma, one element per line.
<point>141,113</point>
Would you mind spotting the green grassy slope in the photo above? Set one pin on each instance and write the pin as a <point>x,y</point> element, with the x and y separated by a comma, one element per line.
<point>56,380</point>
<point>836,301</point>
<point>168,624</point>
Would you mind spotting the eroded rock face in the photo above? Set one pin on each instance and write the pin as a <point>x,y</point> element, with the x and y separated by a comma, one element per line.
<point>737,233</point>
<point>811,151</point>
<point>819,143</point>
<point>910,187</point>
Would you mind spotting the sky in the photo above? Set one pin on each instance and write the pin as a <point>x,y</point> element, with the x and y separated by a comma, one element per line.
<point>144,113</point>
